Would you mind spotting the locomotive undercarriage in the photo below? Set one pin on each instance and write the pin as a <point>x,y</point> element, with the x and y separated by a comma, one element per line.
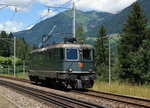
<point>69,81</point>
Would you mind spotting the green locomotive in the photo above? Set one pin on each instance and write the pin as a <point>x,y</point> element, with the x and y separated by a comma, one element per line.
<point>65,64</point>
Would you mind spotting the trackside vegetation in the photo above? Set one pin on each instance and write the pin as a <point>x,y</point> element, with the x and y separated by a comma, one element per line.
<point>130,69</point>
<point>7,53</point>
<point>132,60</point>
<point>123,88</point>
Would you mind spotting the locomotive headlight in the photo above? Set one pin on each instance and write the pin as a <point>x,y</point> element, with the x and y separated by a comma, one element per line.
<point>69,70</point>
<point>90,70</point>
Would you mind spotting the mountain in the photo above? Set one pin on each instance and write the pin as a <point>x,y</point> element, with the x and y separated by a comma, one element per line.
<point>63,23</point>
<point>91,22</point>
<point>114,23</point>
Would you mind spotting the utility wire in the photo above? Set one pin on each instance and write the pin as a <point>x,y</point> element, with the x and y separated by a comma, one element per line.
<point>63,12</point>
<point>3,7</point>
<point>14,14</point>
<point>46,15</point>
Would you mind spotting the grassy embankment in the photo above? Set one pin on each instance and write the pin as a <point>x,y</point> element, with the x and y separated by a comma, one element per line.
<point>125,89</point>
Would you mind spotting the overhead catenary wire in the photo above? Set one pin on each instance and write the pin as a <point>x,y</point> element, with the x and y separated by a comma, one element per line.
<point>46,15</point>
<point>63,12</point>
<point>14,14</point>
<point>3,7</point>
<point>7,5</point>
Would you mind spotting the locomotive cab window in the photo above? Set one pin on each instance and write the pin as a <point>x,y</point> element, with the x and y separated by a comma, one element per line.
<point>87,54</point>
<point>71,54</point>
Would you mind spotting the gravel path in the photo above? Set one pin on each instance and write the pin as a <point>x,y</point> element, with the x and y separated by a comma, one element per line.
<point>25,102</point>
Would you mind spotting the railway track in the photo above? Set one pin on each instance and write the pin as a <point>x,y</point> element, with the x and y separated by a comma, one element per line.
<point>128,100</point>
<point>48,97</point>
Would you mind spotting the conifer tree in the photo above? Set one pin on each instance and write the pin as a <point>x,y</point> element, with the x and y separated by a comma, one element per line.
<point>4,49</point>
<point>101,54</point>
<point>132,36</point>
<point>34,46</point>
<point>80,35</point>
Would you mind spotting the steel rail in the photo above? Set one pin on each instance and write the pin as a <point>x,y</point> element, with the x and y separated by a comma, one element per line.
<point>50,97</point>
<point>129,100</point>
<point>99,94</point>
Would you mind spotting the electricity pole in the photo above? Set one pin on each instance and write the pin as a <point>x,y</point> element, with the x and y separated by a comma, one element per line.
<point>109,63</point>
<point>23,68</point>
<point>14,56</point>
<point>74,23</point>
<point>73,17</point>
<point>0,68</point>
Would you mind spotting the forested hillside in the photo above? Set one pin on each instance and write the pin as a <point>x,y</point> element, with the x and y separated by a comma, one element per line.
<point>91,22</point>
<point>63,23</point>
<point>114,22</point>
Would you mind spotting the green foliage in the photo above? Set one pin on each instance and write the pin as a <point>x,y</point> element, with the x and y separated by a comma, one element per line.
<point>141,63</point>
<point>34,46</point>
<point>101,54</point>
<point>4,49</point>
<point>102,72</point>
<point>132,36</point>
<point>7,47</point>
<point>80,35</point>
<point>23,49</point>
<point>8,60</point>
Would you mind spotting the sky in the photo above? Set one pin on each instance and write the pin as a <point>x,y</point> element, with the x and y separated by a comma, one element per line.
<point>17,15</point>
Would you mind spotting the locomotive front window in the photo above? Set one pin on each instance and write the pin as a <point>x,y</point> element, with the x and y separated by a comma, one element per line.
<point>71,54</point>
<point>87,54</point>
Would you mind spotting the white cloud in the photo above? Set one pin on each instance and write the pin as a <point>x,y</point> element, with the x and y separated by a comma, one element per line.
<point>1,26</point>
<point>104,5</point>
<point>22,5</point>
<point>47,13</point>
<point>52,2</point>
<point>11,26</point>
<point>100,5</point>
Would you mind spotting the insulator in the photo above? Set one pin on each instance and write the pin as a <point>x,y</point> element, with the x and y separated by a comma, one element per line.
<point>16,9</point>
<point>48,10</point>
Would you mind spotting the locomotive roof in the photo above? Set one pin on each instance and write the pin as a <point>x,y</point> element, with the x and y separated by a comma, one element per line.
<point>62,46</point>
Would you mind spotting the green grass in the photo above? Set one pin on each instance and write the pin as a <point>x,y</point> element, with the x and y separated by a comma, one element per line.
<point>125,89</point>
<point>18,75</point>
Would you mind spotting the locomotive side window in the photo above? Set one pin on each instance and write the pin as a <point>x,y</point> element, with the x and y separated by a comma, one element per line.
<point>87,54</point>
<point>71,54</point>
<point>62,53</point>
<point>49,54</point>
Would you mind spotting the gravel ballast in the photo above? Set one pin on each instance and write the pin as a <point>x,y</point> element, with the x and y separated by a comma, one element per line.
<point>25,102</point>
<point>16,100</point>
<point>5,103</point>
